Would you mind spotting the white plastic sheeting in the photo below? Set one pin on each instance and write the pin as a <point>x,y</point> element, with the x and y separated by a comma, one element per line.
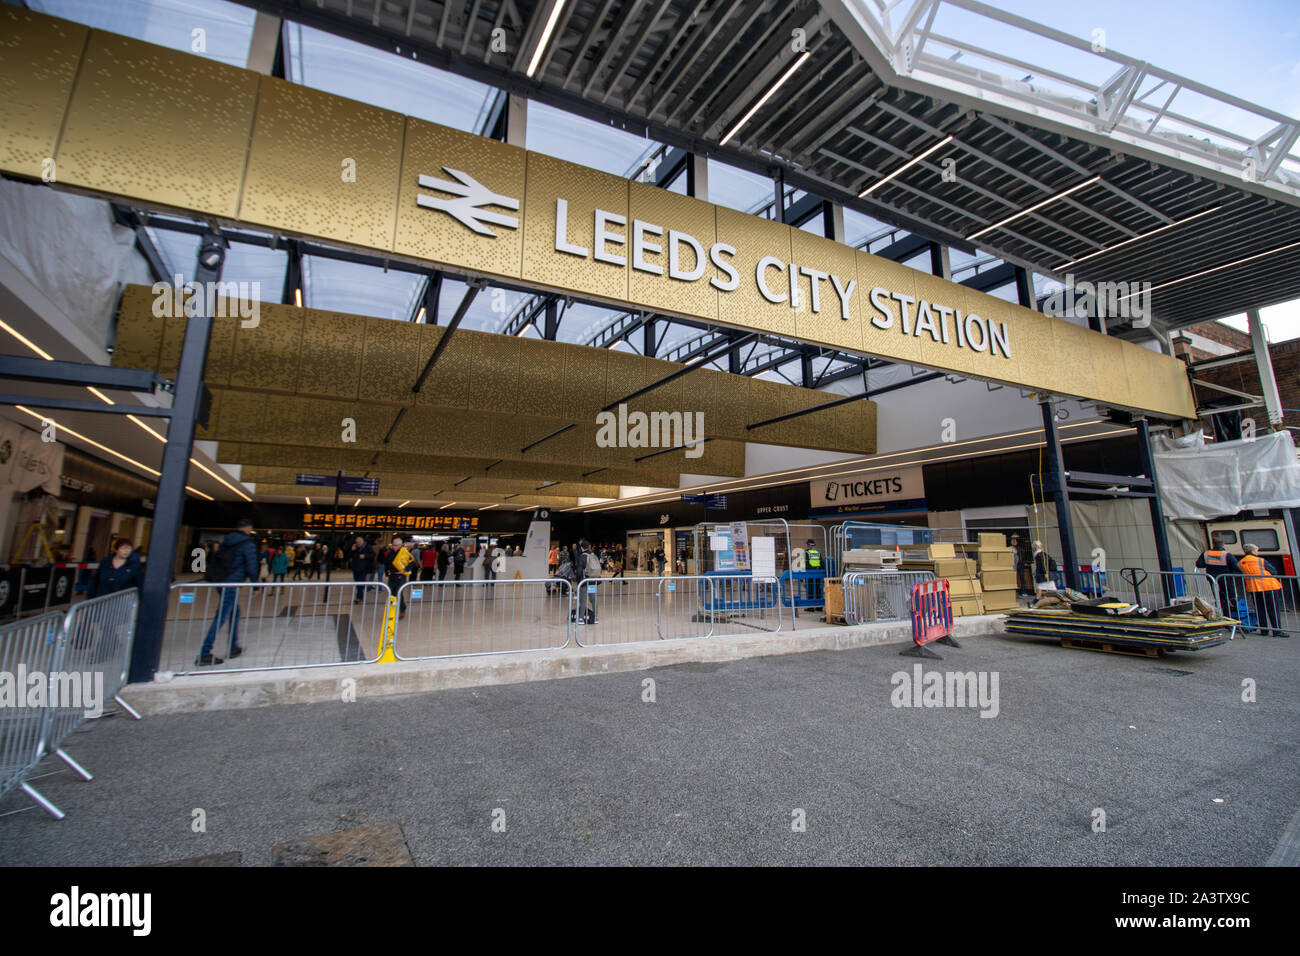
<point>1200,481</point>
<point>71,249</point>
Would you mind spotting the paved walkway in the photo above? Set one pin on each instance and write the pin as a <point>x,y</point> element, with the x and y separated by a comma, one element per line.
<point>585,770</point>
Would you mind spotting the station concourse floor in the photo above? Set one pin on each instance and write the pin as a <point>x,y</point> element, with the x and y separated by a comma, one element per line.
<point>587,770</point>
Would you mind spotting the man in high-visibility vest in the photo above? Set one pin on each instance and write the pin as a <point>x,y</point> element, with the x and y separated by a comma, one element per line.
<point>1219,563</point>
<point>1264,589</point>
<point>812,557</point>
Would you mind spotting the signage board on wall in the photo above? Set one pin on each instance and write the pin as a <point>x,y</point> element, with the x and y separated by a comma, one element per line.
<point>879,491</point>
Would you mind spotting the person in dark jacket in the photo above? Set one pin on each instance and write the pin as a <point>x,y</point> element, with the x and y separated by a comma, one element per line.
<point>243,567</point>
<point>361,558</point>
<point>119,572</point>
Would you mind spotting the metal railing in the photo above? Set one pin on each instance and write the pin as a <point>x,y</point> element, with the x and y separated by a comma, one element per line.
<point>457,618</point>
<point>880,595</point>
<point>1154,589</point>
<point>1274,612</point>
<point>273,626</point>
<point>631,610</point>
<point>738,603</point>
<point>79,660</point>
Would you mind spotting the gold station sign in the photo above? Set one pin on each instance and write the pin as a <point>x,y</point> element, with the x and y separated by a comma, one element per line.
<point>165,129</point>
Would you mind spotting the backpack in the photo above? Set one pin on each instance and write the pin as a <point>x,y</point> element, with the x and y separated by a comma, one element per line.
<point>592,567</point>
<point>1051,564</point>
<point>458,558</point>
<point>219,565</point>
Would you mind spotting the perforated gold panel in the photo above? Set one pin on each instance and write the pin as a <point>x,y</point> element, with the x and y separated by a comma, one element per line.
<point>269,357</point>
<point>344,186</point>
<point>669,211</point>
<point>495,363</point>
<point>158,126</point>
<point>429,233</point>
<point>139,331</point>
<point>392,356</point>
<point>585,191</point>
<point>1070,343</point>
<point>826,324</point>
<point>890,342</point>
<point>528,386</point>
<point>38,61</point>
<point>331,360</point>
<point>754,238</point>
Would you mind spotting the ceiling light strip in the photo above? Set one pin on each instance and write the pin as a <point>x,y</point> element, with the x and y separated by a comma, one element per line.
<point>766,96</point>
<point>905,167</point>
<point>545,38</point>
<point>1206,272</point>
<point>1025,212</point>
<point>1145,235</point>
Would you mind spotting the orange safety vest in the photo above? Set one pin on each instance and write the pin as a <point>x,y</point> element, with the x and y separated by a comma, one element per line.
<point>1218,559</point>
<point>1257,579</point>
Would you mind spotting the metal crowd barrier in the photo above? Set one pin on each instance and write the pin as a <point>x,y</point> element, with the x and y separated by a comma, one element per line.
<point>1271,613</point>
<point>280,625</point>
<point>455,618</point>
<point>880,595</point>
<point>738,603</point>
<point>81,660</point>
<point>803,588</point>
<point>628,610</point>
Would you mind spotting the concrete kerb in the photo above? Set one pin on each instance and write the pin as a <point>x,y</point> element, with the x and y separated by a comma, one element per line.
<point>219,691</point>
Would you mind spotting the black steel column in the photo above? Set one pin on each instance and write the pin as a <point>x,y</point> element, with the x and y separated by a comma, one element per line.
<point>778,180</point>
<point>170,503</point>
<point>650,346</point>
<point>1056,483</point>
<point>551,321</point>
<point>1148,463</point>
<point>1024,288</point>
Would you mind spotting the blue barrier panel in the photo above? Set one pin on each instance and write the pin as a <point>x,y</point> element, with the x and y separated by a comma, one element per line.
<point>803,588</point>
<point>736,591</point>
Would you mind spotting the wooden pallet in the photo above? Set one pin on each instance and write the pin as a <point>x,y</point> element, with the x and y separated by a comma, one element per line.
<point>835,618</point>
<point>1107,647</point>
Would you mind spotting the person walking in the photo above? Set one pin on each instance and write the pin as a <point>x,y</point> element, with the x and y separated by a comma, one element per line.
<point>361,559</point>
<point>396,563</point>
<point>279,565</point>
<point>1220,565</point>
<point>553,560</point>
<point>234,563</point>
<point>442,562</point>
<point>429,564</point>
<point>589,565</point>
<point>1264,589</point>
<point>121,571</point>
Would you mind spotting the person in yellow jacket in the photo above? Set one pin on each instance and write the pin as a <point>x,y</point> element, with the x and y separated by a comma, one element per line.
<point>397,562</point>
<point>1264,590</point>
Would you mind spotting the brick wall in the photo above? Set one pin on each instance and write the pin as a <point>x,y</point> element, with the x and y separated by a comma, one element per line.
<point>1215,332</point>
<point>1243,376</point>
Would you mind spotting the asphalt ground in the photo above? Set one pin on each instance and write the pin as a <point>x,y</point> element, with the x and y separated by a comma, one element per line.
<point>584,771</point>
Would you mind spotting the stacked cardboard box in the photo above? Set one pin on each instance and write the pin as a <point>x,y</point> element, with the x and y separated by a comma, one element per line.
<point>997,564</point>
<point>961,573</point>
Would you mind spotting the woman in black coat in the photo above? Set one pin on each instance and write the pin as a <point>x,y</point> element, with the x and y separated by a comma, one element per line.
<point>120,571</point>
